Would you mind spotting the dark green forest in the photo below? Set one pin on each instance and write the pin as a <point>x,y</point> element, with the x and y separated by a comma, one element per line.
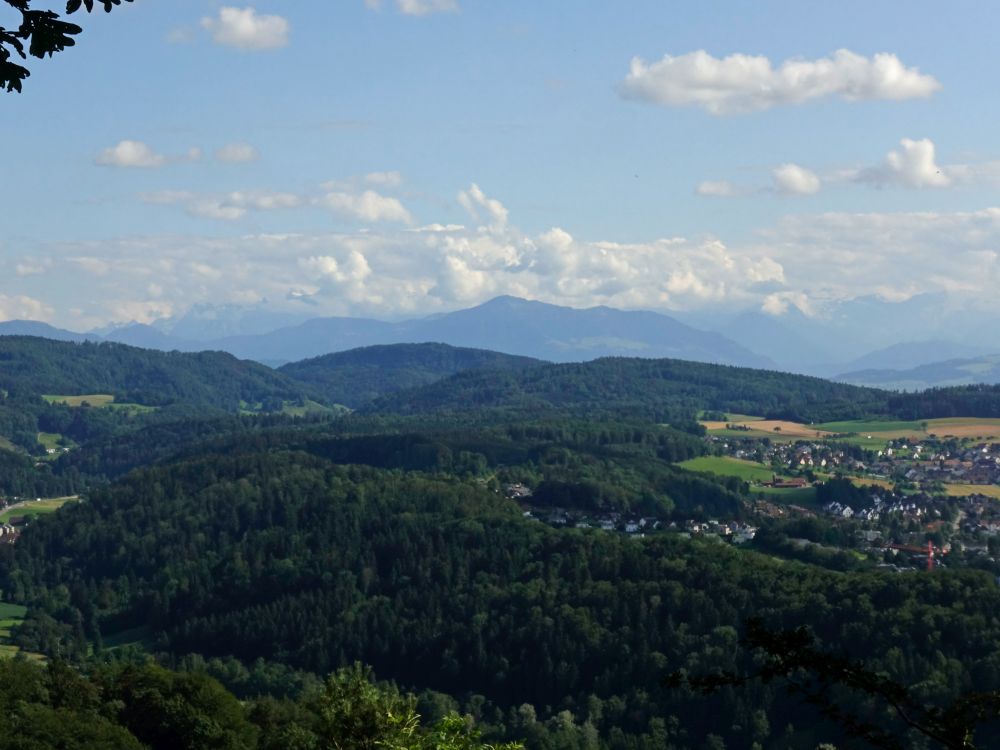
<point>270,551</point>
<point>357,376</point>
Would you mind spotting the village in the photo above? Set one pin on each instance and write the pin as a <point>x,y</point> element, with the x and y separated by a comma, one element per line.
<point>892,505</point>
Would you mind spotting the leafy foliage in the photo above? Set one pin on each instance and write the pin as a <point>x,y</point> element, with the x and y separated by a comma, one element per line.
<point>43,31</point>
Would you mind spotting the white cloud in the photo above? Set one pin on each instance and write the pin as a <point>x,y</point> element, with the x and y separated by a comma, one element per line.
<point>20,307</point>
<point>717,189</point>
<point>384,179</point>
<point>32,266</point>
<point>912,166</point>
<point>244,29</point>
<point>746,83</point>
<point>367,206</point>
<point>779,303</point>
<point>235,153</point>
<point>225,206</point>
<point>130,154</point>
<point>426,7</point>
<point>473,199</point>
<point>807,262</point>
<point>791,179</point>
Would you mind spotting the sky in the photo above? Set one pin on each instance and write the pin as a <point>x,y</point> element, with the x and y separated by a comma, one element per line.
<point>398,158</point>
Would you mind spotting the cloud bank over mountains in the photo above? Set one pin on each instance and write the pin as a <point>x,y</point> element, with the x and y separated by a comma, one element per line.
<point>385,266</point>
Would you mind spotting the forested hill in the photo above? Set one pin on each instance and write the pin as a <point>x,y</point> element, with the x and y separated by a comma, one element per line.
<point>355,377</point>
<point>31,366</point>
<point>661,389</point>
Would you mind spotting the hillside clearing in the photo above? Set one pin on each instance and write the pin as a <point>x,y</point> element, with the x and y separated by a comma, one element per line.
<point>749,471</point>
<point>97,400</point>
<point>36,507</point>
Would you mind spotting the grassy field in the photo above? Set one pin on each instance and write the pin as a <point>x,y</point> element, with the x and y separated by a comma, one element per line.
<point>310,407</point>
<point>96,400</point>
<point>748,471</point>
<point>961,490</point>
<point>870,426</point>
<point>730,417</point>
<point>99,401</point>
<point>966,427</point>
<point>6,445</point>
<point>769,427</point>
<point>11,615</point>
<point>37,508</point>
<point>133,637</point>
<point>885,484</point>
<point>50,440</point>
<point>871,434</point>
<point>804,496</point>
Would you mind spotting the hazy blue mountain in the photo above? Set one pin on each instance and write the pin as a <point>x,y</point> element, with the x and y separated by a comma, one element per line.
<point>911,354</point>
<point>43,330</point>
<point>938,374</point>
<point>792,340</point>
<point>310,339</point>
<point>207,322</point>
<point>148,337</point>
<point>358,376</point>
<point>505,324</point>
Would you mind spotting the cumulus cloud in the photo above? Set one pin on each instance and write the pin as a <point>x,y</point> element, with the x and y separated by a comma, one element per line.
<point>367,206</point>
<point>225,206</point>
<point>384,179</point>
<point>779,303</point>
<point>746,83</point>
<point>244,29</point>
<point>718,189</point>
<point>235,153</point>
<point>475,202</point>
<point>426,7</point>
<point>912,166</point>
<point>20,307</point>
<point>32,266</point>
<point>130,154</point>
<point>791,179</point>
<point>805,262</point>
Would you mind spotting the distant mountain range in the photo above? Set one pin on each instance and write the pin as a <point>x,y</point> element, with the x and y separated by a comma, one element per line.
<point>969,371</point>
<point>506,324</point>
<point>861,341</point>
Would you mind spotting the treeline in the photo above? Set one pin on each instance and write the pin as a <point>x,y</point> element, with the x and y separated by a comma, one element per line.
<point>36,366</point>
<point>358,376</point>
<point>658,390</point>
<point>143,706</point>
<point>439,583</point>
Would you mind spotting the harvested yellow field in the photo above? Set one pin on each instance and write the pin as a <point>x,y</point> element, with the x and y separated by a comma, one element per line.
<point>965,427</point>
<point>872,482</point>
<point>961,490</point>
<point>777,426</point>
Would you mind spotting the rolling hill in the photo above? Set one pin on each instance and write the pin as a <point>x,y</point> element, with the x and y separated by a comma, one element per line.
<point>662,389</point>
<point>37,366</point>
<point>357,376</point>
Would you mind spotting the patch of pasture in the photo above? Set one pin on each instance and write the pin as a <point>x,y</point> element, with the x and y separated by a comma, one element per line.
<point>96,400</point>
<point>36,508</point>
<point>748,471</point>
<point>963,490</point>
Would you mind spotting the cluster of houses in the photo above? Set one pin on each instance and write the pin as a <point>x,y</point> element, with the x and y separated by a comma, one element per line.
<point>906,507</point>
<point>633,525</point>
<point>922,465</point>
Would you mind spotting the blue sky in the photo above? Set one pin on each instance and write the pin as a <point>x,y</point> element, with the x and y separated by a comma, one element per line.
<point>412,156</point>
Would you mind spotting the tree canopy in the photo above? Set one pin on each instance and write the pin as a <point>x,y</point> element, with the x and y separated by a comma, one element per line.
<point>40,34</point>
